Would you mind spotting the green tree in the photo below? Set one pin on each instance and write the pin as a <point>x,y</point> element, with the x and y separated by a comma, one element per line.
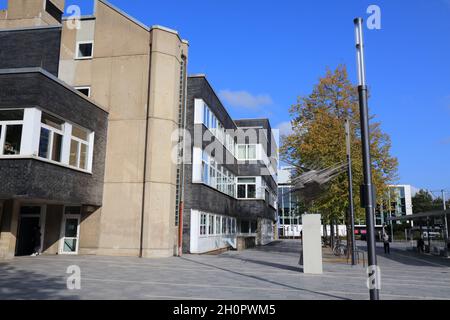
<point>318,141</point>
<point>423,202</point>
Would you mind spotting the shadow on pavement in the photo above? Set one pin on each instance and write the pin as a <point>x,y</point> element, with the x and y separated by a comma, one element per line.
<point>266,280</point>
<point>411,258</point>
<point>18,284</point>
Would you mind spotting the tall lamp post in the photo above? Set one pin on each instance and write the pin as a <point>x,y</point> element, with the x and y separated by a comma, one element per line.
<point>445,224</point>
<point>368,194</point>
<point>350,191</point>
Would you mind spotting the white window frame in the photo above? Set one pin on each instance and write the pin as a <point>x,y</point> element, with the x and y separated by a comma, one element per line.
<point>3,125</point>
<point>247,153</point>
<point>52,130</point>
<point>77,54</point>
<point>211,224</point>
<point>201,224</point>
<point>88,149</point>
<point>246,184</point>
<point>83,88</point>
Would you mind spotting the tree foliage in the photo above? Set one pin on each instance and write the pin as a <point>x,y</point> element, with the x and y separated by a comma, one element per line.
<point>318,141</point>
<point>423,202</point>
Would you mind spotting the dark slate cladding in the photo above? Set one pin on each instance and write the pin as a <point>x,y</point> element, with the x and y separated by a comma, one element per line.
<point>202,197</point>
<point>53,11</point>
<point>34,47</point>
<point>254,169</point>
<point>31,178</point>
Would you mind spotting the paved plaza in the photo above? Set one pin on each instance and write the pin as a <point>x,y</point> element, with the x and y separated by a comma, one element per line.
<point>270,272</point>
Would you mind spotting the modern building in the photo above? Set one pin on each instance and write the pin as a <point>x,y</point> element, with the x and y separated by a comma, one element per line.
<point>289,215</point>
<point>134,77</point>
<point>52,147</point>
<point>290,208</point>
<point>89,110</point>
<point>230,184</point>
<point>396,203</point>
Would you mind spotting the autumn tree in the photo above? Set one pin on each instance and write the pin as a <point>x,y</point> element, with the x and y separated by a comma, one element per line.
<point>318,141</point>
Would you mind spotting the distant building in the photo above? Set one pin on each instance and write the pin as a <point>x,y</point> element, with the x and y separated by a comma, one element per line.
<point>398,203</point>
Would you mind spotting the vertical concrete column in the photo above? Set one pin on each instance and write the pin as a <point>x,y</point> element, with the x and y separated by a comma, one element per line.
<point>159,230</point>
<point>9,228</point>
<point>312,244</point>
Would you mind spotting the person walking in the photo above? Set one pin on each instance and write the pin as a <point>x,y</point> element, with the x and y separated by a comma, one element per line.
<point>387,249</point>
<point>420,245</point>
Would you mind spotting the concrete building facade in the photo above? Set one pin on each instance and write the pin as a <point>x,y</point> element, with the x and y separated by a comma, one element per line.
<point>230,176</point>
<point>104,176</point>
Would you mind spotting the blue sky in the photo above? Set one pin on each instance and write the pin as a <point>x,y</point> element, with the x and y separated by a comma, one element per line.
<point>261,54</point>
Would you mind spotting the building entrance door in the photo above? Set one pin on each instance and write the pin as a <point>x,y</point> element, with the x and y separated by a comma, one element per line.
<point>29,238</point>
<point>70,234</point>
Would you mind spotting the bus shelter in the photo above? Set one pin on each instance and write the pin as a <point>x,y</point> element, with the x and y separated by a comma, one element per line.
<point>432,227</point>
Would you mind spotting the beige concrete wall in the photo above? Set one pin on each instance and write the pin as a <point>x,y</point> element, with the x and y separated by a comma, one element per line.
<point>136,96</point>
<point>89,230</point>
<point>52,233</point>
<point>76,72</point>
<point>9,228</point>
<point>27,13</point>
<point>159,219</point>
<point>119,82</point>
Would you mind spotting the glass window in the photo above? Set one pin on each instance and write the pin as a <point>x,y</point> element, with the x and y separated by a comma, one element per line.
<point>84,90</point>
<point>80,133</point>
<point>50,141</point>
<point>73,159</point>
<point>83,156</point>
<point>241,191</point>
<point>246,188</point>
<point>44,143</point>
<point>79,148</point>
<point>251,152</point>
<point>203,219</point>
<point>218,228</point>
<point>224,225</point>
<point>11,115</point>
<point>57,147</point>
<point>85,50</point>
<point>13,136</point>
<point>211,224</point>
<point>52,121</point>
<point>242,152</point>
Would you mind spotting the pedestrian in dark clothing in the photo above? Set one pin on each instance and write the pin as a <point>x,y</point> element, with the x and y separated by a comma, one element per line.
<point>420,245</point>
<point>387,249</point>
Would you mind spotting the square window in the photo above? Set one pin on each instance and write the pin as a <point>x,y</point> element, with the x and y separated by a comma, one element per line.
<point>85,50</point>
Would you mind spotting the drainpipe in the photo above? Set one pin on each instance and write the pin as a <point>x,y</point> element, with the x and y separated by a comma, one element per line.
<point>141,242</point>
<point>183,164</point>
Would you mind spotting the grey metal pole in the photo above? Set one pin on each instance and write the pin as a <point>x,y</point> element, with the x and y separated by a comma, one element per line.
<point>350,191</point>
<point>445,225</point>
<point>367,189</point>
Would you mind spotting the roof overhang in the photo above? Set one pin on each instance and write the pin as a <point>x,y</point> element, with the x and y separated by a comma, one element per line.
<point>420,216</point>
